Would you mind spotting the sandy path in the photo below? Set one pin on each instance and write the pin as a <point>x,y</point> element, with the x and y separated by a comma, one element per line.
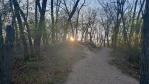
<point>95,69</point>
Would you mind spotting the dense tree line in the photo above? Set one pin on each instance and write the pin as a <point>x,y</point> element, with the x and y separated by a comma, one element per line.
<point>39,23</point>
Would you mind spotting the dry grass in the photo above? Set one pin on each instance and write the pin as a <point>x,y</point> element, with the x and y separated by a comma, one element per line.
<point>126,62</point>
<point>53,68</point>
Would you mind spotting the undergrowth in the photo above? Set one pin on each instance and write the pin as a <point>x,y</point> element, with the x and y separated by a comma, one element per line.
<point>127,60</point>
<point>53,66</point>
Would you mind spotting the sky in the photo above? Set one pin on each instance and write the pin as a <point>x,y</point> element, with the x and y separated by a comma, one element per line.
<point>92,3</point>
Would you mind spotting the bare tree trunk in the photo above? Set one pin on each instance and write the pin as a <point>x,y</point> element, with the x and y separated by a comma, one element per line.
<point>28,31</point>
<point>125,37</point>
<point>8,54</point>
<point>115,33</point>
<point>58,2</point>
<point>77,21</point>
<point>37,41</point>
<point>132,22</point>
<point>1,51</point>
<point>144,68</point>
<point>70,15</point>
<point>52,18</point>
<point>27,8</point>
<point>17,12</point>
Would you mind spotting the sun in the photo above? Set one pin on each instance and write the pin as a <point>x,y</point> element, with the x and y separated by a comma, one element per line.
<point>72,39</point>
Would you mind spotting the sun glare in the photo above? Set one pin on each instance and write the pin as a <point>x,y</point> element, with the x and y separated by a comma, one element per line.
<point>72,39</point>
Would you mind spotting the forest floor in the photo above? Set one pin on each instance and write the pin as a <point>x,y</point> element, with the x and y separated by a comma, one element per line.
<point>52,67</point>
<point>95,69</point>
<point>70,63</point>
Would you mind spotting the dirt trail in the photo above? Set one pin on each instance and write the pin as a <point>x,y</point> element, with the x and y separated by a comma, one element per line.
<point>95,69</point>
